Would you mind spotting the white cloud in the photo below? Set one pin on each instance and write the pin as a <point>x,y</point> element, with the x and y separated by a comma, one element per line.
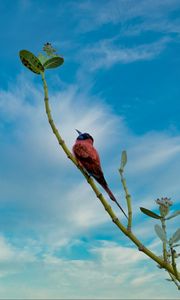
<point>149,15</point>
<point>140,280</point>
<point>157,149</point>
<point>112,253</point>
<point>6,252</point>
<point>105,53</point>
<point>155,161</point>
<point>10,253</point>
<point>113,272</point>
<point>129,18</point>
<point>12,259</point>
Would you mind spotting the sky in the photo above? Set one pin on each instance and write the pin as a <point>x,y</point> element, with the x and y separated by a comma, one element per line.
<point>120,83</point>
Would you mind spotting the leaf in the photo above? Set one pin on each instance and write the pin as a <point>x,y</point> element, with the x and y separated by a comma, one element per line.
<point>123,159</point>
<point>53,62</point>
<point>176,245</point>
<point>31,62</point>
<point>176,237</point>
<point>160,233</point>
<point>150,213</point>
<point>177,213</point>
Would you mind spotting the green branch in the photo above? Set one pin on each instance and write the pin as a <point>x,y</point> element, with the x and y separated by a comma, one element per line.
<point>165,241</point>
<point>106,205</point>
<point>173,252</point>
<point>128,199</point>
<point>174,280</point>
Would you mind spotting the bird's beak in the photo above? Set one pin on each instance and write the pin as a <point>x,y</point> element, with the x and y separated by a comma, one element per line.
<point>79,132</point>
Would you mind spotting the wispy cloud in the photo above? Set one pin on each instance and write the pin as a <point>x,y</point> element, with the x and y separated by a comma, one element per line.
<point>157,149</point>
<point>128,20</point>
<point>151,14</point>
<point>106,53</point>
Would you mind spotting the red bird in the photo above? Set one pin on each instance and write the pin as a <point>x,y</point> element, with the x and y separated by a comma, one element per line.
<point>88,158</point>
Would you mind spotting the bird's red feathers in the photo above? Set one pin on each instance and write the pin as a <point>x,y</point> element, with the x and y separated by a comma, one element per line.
<point>88,157</point>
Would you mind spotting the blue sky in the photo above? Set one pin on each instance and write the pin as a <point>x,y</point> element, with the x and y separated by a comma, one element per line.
<point>119,82</point>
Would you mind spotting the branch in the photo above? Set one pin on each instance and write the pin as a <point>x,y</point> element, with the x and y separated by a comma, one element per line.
<point>164,242</point>
<point>107,207</point>
<point>174,280</point>
<point>128,199</point>
<point>173,252</point>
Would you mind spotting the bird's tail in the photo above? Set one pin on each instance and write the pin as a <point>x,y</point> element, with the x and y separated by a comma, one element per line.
<point>114,199</point>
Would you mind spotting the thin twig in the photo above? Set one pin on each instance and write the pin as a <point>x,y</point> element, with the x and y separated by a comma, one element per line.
<point>128,200</point>
<point>174,262</point>
<point>164,242</point>
<point>174,280</point>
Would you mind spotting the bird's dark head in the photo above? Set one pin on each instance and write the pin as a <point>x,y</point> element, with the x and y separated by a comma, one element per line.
<point>84,136</point>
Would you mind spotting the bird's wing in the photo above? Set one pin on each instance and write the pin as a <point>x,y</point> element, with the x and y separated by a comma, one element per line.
<point>84,153</point>
<point>89,158</point>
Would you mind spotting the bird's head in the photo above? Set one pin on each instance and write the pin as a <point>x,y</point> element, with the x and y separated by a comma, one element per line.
<point>84,136</point>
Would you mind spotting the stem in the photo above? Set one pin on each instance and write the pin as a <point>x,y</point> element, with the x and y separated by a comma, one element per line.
<point>174,280</point>
<point>107,207</point>
<point>174,262</point>
<point>164,242</point>
<point>128,200</point>
<point>176,277</point>
<point>53,126</point>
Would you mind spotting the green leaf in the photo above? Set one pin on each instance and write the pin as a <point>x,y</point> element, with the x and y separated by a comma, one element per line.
<point>31,62</point>
<point>160,233</point>
<point>123,159</point>
<point>53,62</point>
<point>176,237</point>
<point>176,245</point>
<point>150,213</point>
<point>177,213</point>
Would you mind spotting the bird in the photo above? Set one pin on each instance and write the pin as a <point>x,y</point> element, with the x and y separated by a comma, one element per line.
<point>88,159</point>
